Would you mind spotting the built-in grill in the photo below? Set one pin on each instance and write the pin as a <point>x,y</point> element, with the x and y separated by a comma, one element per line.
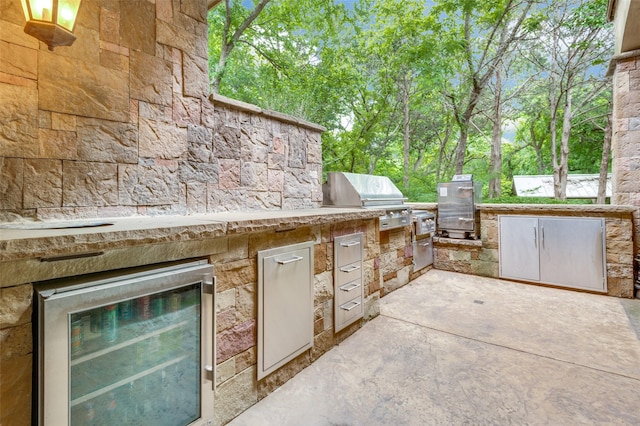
<point>370,192</point>
<point>457,215</point>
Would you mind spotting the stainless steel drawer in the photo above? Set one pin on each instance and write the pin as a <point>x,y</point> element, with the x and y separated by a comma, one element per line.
<point>348,291</point>
<point>422,253</point>
<point>348,249</point>
<point>350,311</point>
<point>347,273</point>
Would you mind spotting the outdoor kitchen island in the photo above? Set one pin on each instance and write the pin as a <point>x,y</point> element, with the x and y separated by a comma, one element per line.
<point>33,252</point>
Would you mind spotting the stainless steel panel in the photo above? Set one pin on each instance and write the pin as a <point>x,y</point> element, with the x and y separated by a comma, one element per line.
<point>348,291</point>
<point>285,305</point>
<point>349,249</point>
<point>349,312</point>
<point>572,252</point>
<point>518,247</point>
<point>357,190</point>
<point>456,208</point>
<point>347,273</point>
<point>348,285</point>
<point>422,253</point>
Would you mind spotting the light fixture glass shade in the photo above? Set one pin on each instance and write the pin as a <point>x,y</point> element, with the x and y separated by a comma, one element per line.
<point>51,21</point>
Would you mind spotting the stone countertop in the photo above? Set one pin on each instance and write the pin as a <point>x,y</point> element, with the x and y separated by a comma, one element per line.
<point>41,239</point>
<point>558,208</point>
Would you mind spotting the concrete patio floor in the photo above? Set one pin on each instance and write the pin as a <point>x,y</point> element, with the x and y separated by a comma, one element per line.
<point>451,349</point>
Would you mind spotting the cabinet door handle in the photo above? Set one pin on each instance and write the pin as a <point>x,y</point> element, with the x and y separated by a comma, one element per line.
<point>427,244</point>
<point>542,236</point>
<point>535,236</point>
<point>354,304</point>
<point>207,290</point>
<point>350,268</point>
<point>290,260</point>
<point>350,286</point>
<point>350,244</point>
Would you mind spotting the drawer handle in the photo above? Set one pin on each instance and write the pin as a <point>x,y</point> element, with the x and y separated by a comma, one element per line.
<point>291,260</point>
<point>350,244</point>
<point>350,286</point>
<point>424,244</point>
<point>350,268</point>
<point>354,304</point>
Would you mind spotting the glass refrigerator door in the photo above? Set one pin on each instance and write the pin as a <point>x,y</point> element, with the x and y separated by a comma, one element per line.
<point>135,360</point>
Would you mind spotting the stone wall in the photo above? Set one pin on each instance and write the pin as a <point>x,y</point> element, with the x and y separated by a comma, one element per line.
<point>626,135</point>
<point>122,124</point>
<point>481,257</point>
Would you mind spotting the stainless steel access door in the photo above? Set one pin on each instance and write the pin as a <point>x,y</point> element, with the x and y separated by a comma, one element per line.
<point>572,252</point>
<point>519,254</point>
<point>285,305</point>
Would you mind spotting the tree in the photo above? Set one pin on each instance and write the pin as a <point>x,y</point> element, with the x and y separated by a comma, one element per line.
<point>578,39</point>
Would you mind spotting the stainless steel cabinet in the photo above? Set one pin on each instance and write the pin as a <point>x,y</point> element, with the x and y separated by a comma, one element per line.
<point>348,288</point>
<point>422,253</point>
<point>285,305</point>
<point>568,252</point>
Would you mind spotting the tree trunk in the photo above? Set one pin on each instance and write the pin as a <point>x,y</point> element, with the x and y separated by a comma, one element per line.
<point>495,161</point>
<point>461,149</point>
<point>405,128</point>
<point>563,171</point>
<point>604,164</point>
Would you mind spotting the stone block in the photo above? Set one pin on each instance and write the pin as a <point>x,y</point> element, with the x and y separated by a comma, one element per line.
<point>207,114</point>
<point>235,395</point>
<point>149,183</point>
<point>109,25</point>
<point>89,184</point>
<point>11,183</point>
<point>172,35</point>
<point>164,10</point>
<point>198,172</point>
<point>57,144</point>
<point>297,150</point>
<point>246,359</point>
<point>18,118</point>
<point>14,33</point>
<point>15,391</point>
<point>226,143</point>
<point>254,176</point>
<point>151,79</point>
<point>16,341</point>
<point>186,110</point>
<point>75,87</point>
<point>18,60</point>
<point>195,9</point>
<point>246,302</point>
<point>297,184</point>
<point>195,76</point>
<point>161,140</point>
<point>322,287</point>
<point>138,25</point>
<point>225,319</point>
<point>372,306</point>
<point>225,371</point>
<point>235,274</point>
<point>235,340</point>
<point>229,174</point>
<point>275,180</point>
<point>282,375</point>
<point>43,183</point>
<point>15,306</point>
<point>63,122</point>
<point>107,141</point>
<point>225,299</point>
<point>320,255</point>
<point>113,60</point>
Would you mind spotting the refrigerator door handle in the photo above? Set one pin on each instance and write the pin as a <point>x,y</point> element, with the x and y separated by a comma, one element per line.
<point>208,314</point>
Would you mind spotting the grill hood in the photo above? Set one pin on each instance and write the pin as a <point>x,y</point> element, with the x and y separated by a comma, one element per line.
<point>360,190</point>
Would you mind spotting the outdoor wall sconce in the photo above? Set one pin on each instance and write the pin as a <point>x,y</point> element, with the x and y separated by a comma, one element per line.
<point>51,21</point>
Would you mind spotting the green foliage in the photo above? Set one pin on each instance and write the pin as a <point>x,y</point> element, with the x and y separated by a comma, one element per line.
<point>361,71</point>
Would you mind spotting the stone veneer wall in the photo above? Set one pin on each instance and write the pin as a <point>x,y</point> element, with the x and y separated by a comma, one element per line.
<point>481,257</point>
<point>121,123</point>
<point>626,136</point>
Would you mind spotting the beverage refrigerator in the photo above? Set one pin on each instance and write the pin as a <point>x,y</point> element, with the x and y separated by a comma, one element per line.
<point>132,347</point>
